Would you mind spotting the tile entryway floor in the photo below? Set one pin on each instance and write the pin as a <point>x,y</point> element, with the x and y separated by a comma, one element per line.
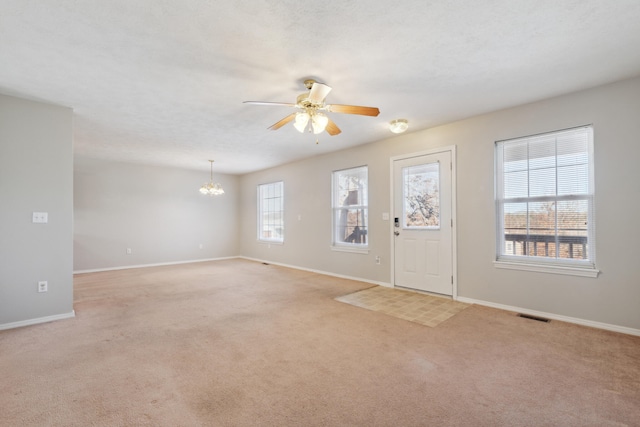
<point>415,307</point>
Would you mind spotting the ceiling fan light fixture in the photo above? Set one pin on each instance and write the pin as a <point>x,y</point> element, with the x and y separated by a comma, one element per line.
<point>211,188</point>
<point>398,125</point>
<point>319,122</point>
<point>302,119</point>
<point>310,104</point>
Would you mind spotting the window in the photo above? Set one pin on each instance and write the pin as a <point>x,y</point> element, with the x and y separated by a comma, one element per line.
<point>421,196</point>
<point>270,212</point>
<point>544,201</point>
<point>350,209</point>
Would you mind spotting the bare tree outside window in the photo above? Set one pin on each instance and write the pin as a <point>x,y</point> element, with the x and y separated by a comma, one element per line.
<point>421,195</point>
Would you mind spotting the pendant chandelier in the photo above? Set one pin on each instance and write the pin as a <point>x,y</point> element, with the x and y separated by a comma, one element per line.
<point>210,188</point>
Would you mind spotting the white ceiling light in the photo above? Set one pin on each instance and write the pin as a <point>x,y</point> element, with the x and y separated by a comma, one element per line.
<point>301,121</point>
<point>210,188</point>
<point>319,122</point>
<point>398,125</point>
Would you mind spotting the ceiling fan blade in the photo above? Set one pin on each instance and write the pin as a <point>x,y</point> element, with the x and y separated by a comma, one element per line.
<point>283,122</point>
<point>319,92</point>
<point>332,129</point>
<point>353,109</point>
<point>284,104</point>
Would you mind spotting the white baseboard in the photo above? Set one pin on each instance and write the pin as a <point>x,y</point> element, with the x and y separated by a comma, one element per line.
<point>326,273</point>
<point>37,321</point>
<point>583,322</point>
<point>126,267</point>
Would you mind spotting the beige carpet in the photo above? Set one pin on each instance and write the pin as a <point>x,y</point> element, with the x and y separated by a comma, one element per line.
<point>415,307</point>
<point>239,343</point>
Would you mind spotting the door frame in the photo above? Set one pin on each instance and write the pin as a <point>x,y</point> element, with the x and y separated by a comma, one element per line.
<point>454,218</point>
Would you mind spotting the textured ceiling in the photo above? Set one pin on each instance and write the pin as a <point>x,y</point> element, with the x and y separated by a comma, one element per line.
<point>162,82</point>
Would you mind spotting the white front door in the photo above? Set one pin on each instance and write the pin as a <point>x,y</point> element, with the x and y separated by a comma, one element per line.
<point>423,222</point>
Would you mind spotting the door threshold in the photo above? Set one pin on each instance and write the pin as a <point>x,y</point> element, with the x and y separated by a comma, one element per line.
<point>420,291</point>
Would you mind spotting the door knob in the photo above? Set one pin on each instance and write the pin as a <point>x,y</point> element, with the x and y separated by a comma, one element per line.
<point>397,233</point>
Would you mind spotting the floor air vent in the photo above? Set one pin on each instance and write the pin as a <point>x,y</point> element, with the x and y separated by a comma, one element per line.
<point>529,316</point>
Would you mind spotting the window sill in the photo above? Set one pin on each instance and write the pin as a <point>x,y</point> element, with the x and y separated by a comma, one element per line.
<point>364,251</point>
<point>553,269</point>
<point>270,242</point>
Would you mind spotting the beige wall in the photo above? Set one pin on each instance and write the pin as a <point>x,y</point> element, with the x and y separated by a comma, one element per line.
<point>156,211</point>
<point>36,172</point>
<point>612,298</point>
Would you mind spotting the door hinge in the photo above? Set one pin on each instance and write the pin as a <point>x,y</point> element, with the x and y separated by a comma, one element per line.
<point>452,280</point>
<point>452,222</point>
<point>451,166</point>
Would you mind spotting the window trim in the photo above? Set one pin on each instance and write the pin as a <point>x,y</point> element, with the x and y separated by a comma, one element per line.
<point>260,239</point>
<point>566,266</point>
<point>554,269</point>
<point>341,248</point>
<point>358,248</point>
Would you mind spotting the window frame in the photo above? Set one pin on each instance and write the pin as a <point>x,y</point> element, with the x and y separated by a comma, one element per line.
<point>336,244</point>
<point>570,266</point>
<point>261,212</point>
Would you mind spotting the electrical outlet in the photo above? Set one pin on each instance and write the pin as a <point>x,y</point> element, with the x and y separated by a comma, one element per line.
<point>128,251</point>
<point>378,260</point>
<point>40,217</point>
<point>43,286</point>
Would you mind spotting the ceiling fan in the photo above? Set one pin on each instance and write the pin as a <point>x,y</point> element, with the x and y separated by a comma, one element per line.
<point>312,110</point>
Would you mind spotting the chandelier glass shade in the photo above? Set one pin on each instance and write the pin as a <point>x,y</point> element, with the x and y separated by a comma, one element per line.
<point>210,188</point>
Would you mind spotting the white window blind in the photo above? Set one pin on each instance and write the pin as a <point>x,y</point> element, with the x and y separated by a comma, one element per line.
<point>545,198</point>
<point>271,212</point>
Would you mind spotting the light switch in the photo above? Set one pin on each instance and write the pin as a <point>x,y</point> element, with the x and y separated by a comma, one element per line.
<point>40,217</point>
<point>385,216</point>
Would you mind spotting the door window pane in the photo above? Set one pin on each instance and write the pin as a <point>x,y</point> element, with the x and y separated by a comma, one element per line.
<point>421,196</point>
